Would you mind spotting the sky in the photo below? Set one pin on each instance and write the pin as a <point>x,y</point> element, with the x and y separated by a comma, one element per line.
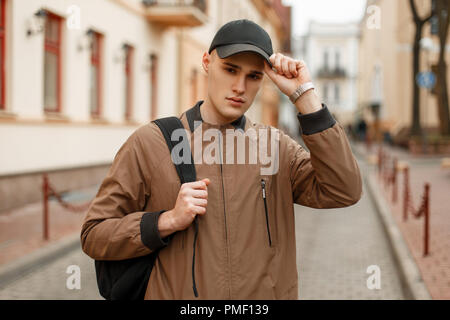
<point>323,11</point>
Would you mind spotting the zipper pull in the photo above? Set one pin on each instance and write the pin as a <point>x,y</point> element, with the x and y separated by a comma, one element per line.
<point>263,184</point>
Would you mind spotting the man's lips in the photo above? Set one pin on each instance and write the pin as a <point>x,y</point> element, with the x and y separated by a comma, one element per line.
<point>234,99</point>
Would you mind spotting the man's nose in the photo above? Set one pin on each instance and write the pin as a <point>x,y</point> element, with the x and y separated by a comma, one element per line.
<point>239,85</point>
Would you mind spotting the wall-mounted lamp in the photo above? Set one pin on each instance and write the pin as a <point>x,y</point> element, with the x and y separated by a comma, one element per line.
<point>36,24</point>
<point>85,40</point>
<point>126,47</point>
<point>149,62</point>
<point>121,53</point>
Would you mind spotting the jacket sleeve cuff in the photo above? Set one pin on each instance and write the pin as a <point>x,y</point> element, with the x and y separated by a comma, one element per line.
<point>149,231</point>
<point>315,122</point>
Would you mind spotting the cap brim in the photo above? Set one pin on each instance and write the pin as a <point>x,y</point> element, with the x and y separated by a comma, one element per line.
<point>230,49</point>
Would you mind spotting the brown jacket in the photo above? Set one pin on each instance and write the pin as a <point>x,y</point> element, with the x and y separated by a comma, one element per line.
<point>246,240</point>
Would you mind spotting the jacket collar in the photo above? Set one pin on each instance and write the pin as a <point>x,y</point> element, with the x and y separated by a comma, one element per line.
<point>194,114</point>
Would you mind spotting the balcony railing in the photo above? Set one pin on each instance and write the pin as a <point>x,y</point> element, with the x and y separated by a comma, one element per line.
<point>326,72</point>
<point>182,13</point>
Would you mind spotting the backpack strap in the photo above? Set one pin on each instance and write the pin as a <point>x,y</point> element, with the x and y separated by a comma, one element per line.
<point>186,171</point>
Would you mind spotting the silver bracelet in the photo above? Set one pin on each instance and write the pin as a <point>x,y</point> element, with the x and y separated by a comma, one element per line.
<point>301,90</point>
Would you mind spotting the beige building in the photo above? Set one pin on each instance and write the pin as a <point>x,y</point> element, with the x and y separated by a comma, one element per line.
<point>331,52</point>
<point>79,76</point>
<point>385,69</point>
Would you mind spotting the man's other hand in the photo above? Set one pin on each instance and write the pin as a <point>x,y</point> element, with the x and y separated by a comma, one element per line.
<point>192,200</point>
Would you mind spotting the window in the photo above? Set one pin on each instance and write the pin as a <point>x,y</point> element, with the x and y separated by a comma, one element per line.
<point>52,63</point>
<point>154,86</point>
<point>325,59</point>
<point>338,58</point>
<point>325,92</point>
<point>337,91</point>
<point>128,86</point>
<point>96,74</point>
<point>2,52</point>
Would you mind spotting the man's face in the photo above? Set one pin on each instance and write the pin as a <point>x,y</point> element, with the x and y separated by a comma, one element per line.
<point>233,82</point>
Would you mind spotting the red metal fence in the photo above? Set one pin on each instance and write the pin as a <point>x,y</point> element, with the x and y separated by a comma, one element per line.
<point>388,169</point>
<point>48,191</point>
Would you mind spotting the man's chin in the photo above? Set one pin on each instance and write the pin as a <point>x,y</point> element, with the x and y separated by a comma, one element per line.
<point>232,113</point>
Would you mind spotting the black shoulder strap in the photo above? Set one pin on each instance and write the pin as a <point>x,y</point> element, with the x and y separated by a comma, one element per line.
<point>186,171</point>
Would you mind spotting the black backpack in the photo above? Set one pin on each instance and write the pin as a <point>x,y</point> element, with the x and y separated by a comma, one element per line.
<point>128,279</point>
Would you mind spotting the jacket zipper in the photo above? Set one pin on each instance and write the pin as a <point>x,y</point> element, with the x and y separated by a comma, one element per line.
<point>224,215</point>
<point>263,186</point>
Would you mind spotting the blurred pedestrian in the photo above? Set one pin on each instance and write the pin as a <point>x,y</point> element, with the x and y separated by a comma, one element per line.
<point>362,130</point>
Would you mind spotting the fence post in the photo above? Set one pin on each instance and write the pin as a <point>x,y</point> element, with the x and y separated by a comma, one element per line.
<point>406,195</point>
<point>427,219</point>
<point>386,176</point>
<point>379,161</point>
<point>394,181</point>
<point>45,215</point>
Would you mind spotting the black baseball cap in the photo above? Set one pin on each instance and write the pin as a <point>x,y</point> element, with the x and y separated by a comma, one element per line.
<point>239,36</point>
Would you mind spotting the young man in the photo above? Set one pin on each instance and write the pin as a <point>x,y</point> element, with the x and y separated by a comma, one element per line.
<point>246,236</point>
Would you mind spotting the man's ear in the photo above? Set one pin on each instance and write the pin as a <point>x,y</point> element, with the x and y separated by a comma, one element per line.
<point>206,61</point>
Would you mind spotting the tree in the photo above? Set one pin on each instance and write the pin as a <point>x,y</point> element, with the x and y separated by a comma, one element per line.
<point>442,11</point>
<point>419,23</point>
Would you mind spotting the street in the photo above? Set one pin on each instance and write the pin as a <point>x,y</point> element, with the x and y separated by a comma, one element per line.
<point>336,246</point>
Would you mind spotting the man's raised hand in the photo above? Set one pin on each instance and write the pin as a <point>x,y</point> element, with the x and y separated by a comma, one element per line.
<point>289,74</point>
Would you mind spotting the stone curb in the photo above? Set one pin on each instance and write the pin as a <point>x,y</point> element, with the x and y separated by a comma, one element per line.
<point>24,265</point>
<point>411,279</point>
<point>412,282</point>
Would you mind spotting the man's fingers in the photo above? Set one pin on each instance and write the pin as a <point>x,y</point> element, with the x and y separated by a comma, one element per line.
<point>277,64</point>
<point>201,184</point>
<point>200,202</point>
<point>269,71</point>
<point>299,64</point>
<point>285,67</point>
<point>272,59</point>
<point>197,193</point>
<point>200,210</point>
<point>293,68</point>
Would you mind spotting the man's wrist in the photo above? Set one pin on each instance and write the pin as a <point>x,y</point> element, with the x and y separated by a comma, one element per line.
<point>166,225</point>
<point>308,102</point>
<point>316,122</point>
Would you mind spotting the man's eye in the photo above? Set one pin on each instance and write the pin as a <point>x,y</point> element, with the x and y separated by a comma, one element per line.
<point>254,77</point>
<point>231,70</point>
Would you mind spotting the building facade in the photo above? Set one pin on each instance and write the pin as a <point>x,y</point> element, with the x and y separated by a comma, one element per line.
<point>386,65</point>
<point>331,52</point>
<point>78,77</point>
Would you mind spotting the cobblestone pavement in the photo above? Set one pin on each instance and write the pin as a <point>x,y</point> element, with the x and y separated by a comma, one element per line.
<point>49,282</point>
<point>336,246</point>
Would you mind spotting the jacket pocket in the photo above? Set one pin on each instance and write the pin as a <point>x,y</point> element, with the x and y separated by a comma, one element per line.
<point>266,210</point>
